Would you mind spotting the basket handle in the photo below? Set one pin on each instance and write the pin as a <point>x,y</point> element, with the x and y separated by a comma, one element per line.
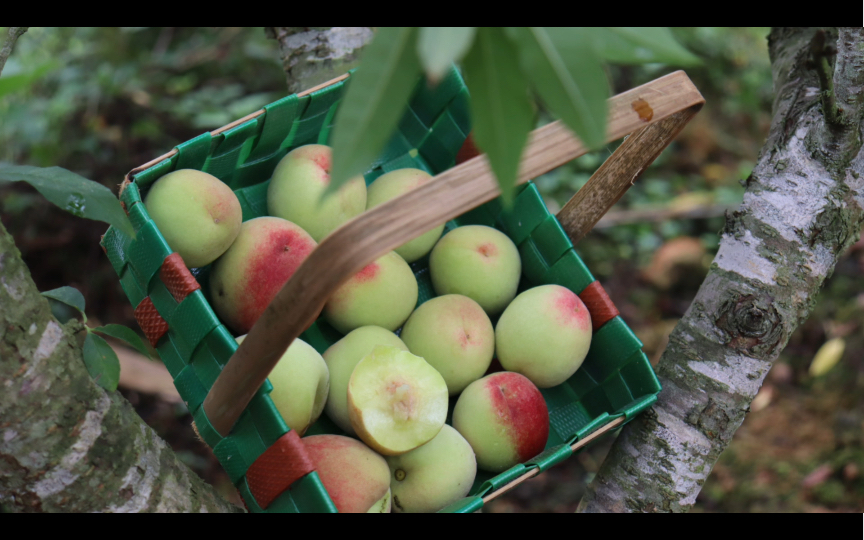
<point>656,111</point>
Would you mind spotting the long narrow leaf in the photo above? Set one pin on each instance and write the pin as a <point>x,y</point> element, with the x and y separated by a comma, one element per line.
<point>639,45</point>
<point>501,111</point>
<point>126,334</point>
<point>71,192</point>
<point>568,75</point>
<point>440,46</point>
<point>102,362</point>
<point>374,102</point>
<point>68,295</point>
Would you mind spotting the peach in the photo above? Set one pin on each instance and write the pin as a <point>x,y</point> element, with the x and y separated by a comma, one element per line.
<point>301,383</point>
<point>434,475</point>
<point>544,334</point>
<point>396,401</point>
<point>453,334</point>
<point>197,213</point>
<point>356,478</point>
<point>297,192</point>
<point>504,418</point>
<point>342,357</point>
<point>478,262</point>
<point>247,277</point>
<point>383,294</point>
<point>393,184</point>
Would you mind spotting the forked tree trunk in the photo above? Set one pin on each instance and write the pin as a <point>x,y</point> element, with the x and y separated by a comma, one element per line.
<point>804,205</point>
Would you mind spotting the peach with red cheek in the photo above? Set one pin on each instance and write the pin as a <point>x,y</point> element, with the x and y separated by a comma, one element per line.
<point>383,294</point>
<point>297,192</point>
<point>479,262</point>
<point>355,477</point>
<point>504,418</point>
<point>544,334</point>
<point>247,277</point>
<point>455,336</point>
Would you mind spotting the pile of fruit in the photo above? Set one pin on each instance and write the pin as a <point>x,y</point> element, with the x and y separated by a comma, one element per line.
<point>390,392</point>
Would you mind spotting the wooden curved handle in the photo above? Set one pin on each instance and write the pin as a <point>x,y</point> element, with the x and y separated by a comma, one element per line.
<point>384,228</point>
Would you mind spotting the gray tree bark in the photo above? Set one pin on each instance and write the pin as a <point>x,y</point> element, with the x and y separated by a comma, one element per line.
<point>804,205</point>
<point>67,445</point>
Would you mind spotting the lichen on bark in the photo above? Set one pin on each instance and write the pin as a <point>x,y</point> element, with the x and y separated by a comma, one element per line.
<point>65,443</point>
<point>803,206</point>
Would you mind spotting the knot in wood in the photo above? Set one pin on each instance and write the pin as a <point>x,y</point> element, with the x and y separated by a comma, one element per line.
<point>750,323</point>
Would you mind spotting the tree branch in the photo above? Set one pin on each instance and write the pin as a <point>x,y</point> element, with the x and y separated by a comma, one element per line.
<point>804,205</point>
<point>14,33</point>
<point>66,444</point>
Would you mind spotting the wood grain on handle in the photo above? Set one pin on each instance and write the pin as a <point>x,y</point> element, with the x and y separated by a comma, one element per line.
<point>387,226</point>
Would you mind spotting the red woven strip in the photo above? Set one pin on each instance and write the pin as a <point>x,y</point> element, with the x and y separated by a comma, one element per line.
<point>177,278</point>
<point>150,321</point>
<point>599,305</point>
<point>468,150</point>
<point>277,468</point>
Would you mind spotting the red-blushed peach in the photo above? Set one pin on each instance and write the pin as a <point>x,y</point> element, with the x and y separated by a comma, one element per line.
<point>247,277</point>
<point>342,357</point>
<point>356,478</point>
<point>453,334</point>
<point>504,418</point>
<point>544,334</point>
<point>396,400</point>
<point>301,383</point>
<point>393,184</point>
<point>297,192</point>
<point>383,294</point>
<point>197,213</point>
<point>434,475</point>
<point>478,262</point>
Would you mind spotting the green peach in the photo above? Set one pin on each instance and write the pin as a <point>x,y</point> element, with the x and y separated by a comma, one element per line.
<point>453,334</point>
<point>247,277</point>
<point>434,475</point>
<point>383,505</point>
<point>504,418</point>
<point>383,294</point>
<point>356,478</point>
<point>342,357</point>
<point>544,334</point>
<point>478,262</point>
<point>301,383</point>
<point>393,184</point>
<point>297,188</point>
<point>197,213</point>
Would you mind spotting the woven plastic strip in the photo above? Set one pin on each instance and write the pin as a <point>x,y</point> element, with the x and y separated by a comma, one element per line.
<point>599,305</point>
<point>285,462</point>
<point>153,325</point>
<point>177,278</point>
<point>468,150</point>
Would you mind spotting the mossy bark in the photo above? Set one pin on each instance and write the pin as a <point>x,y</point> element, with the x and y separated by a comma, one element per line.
<point>67,445</point>
<point>804,205</point>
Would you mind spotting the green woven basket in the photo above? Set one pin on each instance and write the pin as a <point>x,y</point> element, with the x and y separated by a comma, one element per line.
<point>615,383</point>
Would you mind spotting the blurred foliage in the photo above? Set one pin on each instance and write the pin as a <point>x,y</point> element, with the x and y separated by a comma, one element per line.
<point>115,98</point>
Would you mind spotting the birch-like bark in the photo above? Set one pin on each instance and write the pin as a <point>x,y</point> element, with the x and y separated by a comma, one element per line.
<point>314,55</point>
<point>803,206</point>
<point>67,445</point>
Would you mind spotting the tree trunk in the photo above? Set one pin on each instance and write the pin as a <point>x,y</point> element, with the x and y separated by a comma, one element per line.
<point>804,205</point>
<point>65,443</point>
<point>311,56</point>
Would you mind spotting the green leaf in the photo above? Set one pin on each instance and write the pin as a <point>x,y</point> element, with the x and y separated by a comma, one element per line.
<point>14,83</point>
<point>102,362</point>
<point>377,95</point>
<point>68,295</point>
<point>501,110</point>
<point>440,46</point>
<point>71,192</point>
<point>639,45</point>
<point>126,334</point>
<point>569,77</point>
